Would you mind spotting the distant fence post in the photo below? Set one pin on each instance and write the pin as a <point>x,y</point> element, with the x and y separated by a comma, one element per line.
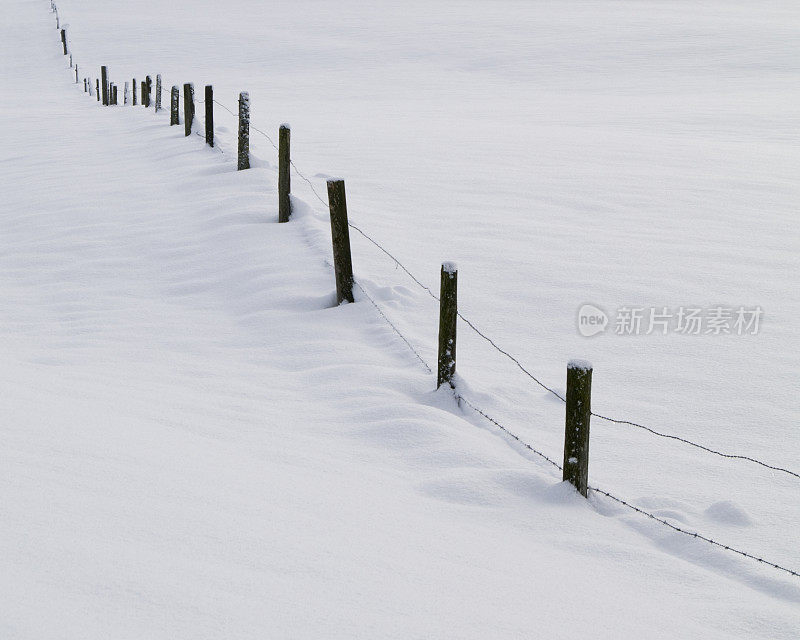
<point>188,107</point>
<point>448,316</point>
<point>576,431</point>
<point>284,177</point>
<point>104,82</point>
<point>70,61</point>
<point>158,93</point>
<point>85,87</point>
<point>173,107</point>
<point>97,88</point>
<point>76,74</point>
<point>209,102</point>
<point>114,94</point>
<point>64,39</point>
<point>134,93</point>
<point>126,93</point>
<point>148,84</point>
<point>144,93</point>
<point>243,159</point>
<point>340,237</point>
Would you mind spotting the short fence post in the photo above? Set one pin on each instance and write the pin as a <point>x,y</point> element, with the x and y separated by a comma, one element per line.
<point>70,61</point>
<point>243,160</point>
<point>158,93</point>
<point>104,82</point>
<point>340,236</point>
<point>85,86</point>
<point>188,107</point>
<point>134,93</point>
<point>114,94</point>
<point>576,432</point>
<point>173,107</point>
<point>448,316</point>
<point>126,93</point>
<point>76,74</point>
<point>284,177</point>
<point>64,39</point>
<point>148,83</point>
<point>209,101</point>
<point>97,88</point>
<point>144,93</point>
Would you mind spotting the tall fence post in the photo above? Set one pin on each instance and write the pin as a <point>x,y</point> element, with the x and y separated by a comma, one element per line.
<point>158,93</point>
<point>104,82</point>
<point>148,85</point>
<point>243,157</point>
<point>576,431</point>
<point>188,107</point>
<point>173,107</point>
<point>340,236</point>
<point>284,177</point>
<point>448,316</point>
<point>64,39</point>
<point>209,101</point>
<point>134,93</point>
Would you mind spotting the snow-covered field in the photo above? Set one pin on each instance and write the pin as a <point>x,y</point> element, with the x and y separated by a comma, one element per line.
<point>195,443</point>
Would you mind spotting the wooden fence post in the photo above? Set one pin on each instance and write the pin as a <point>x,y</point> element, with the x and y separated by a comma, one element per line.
<point>576,432</point>
<point>188,107</point>
<point>448,316</point>
<point>134,93</point>
<point>76,74</point>
<point>126,93</point>
<point>144,93</point>
<point>284,177</point>
<point>340,236</point>
<point>85,87</point>
<point>70,61</point>
<point>64,39</point>
<point>114,94</point>
<point>158,93</point>
<point>148,85</point>
<point>104,82</point>
<point>173,107</point>
<point>243,159</point>
<point>97,88</point>
<point>209,101</point>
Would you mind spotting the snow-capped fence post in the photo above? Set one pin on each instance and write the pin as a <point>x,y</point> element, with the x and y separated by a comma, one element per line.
<point>188,107</point>
<point>448,315</point>
<point>284,177</point>
<point>173,107</point>
<point>64,39</point>
<point>243,157</point>
<point>104,82</point>
<point>209,101</point>
<point>576,431</point>
<point>158,93</point>
<point>340,236</point>
<point>148,84</point>
<point>134,93</point>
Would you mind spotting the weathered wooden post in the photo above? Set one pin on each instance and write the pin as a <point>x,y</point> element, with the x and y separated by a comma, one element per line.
<point>144,93</point>
<point>126,93</point>
<point>173,107</point>
<point>243,159</point>
<point>134,93</point>
<point>284,177</point>
<point>158,93</point>
<point>97,88</point>
<point>104,82</point>
<point>209,101</point>
<point>148,84</point>
<point>576,433</point>
<point>340,236</point>
<point>114,94</point>
<point>448,317</point>
<point>188,107</point>
<point>64,39</point>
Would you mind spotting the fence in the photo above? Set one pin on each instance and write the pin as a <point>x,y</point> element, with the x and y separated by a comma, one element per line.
<point>577,400</point>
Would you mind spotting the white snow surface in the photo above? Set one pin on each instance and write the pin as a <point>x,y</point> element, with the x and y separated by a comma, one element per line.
<point>197,443</point>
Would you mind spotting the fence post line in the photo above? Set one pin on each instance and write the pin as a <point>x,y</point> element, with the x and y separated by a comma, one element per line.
<point>340,237</point>
<point>104,82</point>
<point>158,93</point>
<point>576,430</point>
<point>188,107</point>
<point>173,107</point>
<point>134,93</point>
<point>284,177</point>
<point>63,38</point>
<point>243,153</point>
<point>448,317</point>
<point>209,102</point>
